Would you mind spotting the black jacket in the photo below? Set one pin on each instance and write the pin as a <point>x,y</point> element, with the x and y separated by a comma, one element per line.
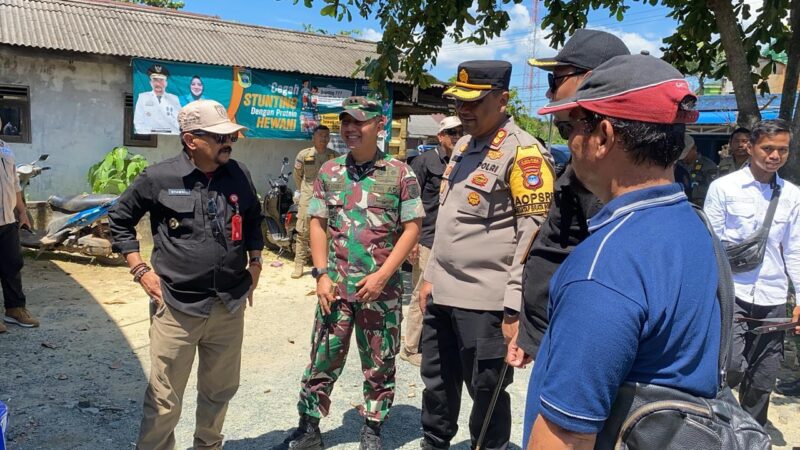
<point>193,251</point>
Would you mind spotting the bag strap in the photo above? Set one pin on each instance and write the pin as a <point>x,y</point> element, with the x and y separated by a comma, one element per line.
<point>725,296</point>
<point>773,205</point>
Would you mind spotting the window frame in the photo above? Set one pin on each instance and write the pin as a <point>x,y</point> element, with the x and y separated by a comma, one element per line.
<point>24,105</point>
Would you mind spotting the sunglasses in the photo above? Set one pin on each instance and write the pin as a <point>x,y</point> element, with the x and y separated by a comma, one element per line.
<point>216,226</point>
<point>454,132</point>
<point>567,127</point>
<point>555,81</point>
<point>219,138</point>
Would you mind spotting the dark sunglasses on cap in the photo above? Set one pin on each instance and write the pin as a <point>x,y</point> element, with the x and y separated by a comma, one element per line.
<point>219,138</point>
<point>554,82</point>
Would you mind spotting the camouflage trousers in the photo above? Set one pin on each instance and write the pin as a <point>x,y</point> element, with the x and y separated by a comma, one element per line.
<point>377,330</point>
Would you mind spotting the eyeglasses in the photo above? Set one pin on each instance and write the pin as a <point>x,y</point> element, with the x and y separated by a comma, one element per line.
<point>454,132</point>
<point>555,81</point>
<point>219,138</point>
<point>566,127</point>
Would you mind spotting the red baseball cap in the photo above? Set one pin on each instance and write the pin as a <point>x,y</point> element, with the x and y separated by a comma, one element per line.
<point>634,87</point>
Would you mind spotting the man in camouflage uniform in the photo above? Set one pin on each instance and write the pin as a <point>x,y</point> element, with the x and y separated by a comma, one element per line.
<point>495,193</point>
<point>306,166</point>
<point>737,155</point>
<point>370,205</point>
<point>702,171</point>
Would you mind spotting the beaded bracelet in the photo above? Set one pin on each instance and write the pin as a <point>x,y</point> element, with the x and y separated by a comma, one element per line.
<point>138,276</point>
<point>137,267</point>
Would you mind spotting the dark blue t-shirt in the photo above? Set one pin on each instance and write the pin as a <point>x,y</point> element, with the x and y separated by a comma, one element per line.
<point>636,301</point>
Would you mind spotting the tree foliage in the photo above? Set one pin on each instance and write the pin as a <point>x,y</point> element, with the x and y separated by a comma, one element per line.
<point>707,29</point>
<point>159,3</point>
<point>536,127</point>
<point>413,31</point>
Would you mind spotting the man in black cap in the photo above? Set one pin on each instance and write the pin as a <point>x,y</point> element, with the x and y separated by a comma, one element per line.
<point>494,195</point>
<point>573,204</point>
<point>636,301</point>
<point>156,111</point>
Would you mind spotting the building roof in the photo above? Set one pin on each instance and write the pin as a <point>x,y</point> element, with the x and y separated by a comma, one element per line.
<point>122,29</point>
<point>423,126</point>
<point>722,109</point>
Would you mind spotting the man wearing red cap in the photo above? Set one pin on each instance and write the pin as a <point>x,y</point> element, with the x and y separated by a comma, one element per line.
<point>636,301</point>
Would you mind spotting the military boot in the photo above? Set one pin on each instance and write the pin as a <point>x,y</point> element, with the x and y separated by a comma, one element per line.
<point>298,270</point>
<point>371,436</point>
<point>307,435</point>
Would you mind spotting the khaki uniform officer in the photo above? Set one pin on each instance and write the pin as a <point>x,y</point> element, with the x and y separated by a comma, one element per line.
<point>306,167</point>
<point>495,192</point>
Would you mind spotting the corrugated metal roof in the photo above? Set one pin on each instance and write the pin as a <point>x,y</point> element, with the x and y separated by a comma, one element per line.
<point>122,29</point>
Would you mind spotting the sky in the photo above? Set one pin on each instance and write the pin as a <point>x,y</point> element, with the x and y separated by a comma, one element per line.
<point>643,28</point>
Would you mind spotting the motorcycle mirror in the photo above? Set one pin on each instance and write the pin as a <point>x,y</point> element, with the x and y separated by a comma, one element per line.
<point>43,157</point>
<point>285,160</point>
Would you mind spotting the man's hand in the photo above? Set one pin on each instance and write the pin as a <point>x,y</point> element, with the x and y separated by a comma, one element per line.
<point>517,357</point>
<point>255,274</point>
<point>795,318</point>
<point>424,292</point>
<point>24,222</point>
<point>510,327</point>
<point>151,283</point>
<point>413,257</point>
<point>371,286</point>
<point>325,293</point>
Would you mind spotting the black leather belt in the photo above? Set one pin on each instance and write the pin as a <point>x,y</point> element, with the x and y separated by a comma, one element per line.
<point>769,325</point>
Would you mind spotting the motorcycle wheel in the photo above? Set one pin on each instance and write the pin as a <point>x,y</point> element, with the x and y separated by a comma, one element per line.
<point>267,243</point>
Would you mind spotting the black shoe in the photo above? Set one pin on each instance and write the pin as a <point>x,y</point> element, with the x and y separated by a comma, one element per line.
<point>371,436</point>
<point>425,445</point>
<point>789,388</point>
<point>306,436</point>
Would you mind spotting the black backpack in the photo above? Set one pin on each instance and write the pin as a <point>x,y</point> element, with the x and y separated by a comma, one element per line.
<point>648,417</point>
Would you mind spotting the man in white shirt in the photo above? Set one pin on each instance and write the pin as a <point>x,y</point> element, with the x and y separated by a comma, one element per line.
<point>737,205</point>
<point>156,111</point>
<point>11,261</point>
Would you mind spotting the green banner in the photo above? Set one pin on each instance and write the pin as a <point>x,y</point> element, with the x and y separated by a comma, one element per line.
<point>271,105</point>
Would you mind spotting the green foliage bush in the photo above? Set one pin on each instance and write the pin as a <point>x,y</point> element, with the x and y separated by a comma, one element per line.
<point>115,172</point>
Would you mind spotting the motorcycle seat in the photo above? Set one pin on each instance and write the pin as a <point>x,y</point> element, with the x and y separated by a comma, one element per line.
<point>77,203</point>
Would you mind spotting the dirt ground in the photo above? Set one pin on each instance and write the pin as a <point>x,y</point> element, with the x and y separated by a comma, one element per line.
<point>77,382</point>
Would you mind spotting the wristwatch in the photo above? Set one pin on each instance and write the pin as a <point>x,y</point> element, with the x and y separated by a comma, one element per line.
<point>316,273</point>
<point>256,260</point>
<point>510,313</point>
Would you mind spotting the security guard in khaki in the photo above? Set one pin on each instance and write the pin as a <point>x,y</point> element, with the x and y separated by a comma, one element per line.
<point>306,167</point>
<point>495,193</point>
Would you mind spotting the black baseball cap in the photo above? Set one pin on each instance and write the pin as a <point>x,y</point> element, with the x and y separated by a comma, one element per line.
<point>475,79</point>
<point>634,87</point>
<point>586,49</point>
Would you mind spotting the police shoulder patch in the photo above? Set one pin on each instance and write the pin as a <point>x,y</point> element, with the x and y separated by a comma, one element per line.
<point>531,182</point>
<point>499,138</point>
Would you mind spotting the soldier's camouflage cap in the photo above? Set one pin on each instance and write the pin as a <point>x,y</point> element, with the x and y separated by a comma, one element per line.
<point>361,108</point>
<point>475,79</point>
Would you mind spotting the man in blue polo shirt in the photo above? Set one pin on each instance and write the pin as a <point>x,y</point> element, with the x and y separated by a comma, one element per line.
<point>636,301</point>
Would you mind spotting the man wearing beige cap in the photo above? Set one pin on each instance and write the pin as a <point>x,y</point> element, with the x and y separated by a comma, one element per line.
<point>206,223</point>
<point>429,168</point>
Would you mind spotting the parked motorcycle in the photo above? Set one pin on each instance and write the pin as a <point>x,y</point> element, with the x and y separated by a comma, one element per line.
<point>77,224</point>
<point>281,213</point>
